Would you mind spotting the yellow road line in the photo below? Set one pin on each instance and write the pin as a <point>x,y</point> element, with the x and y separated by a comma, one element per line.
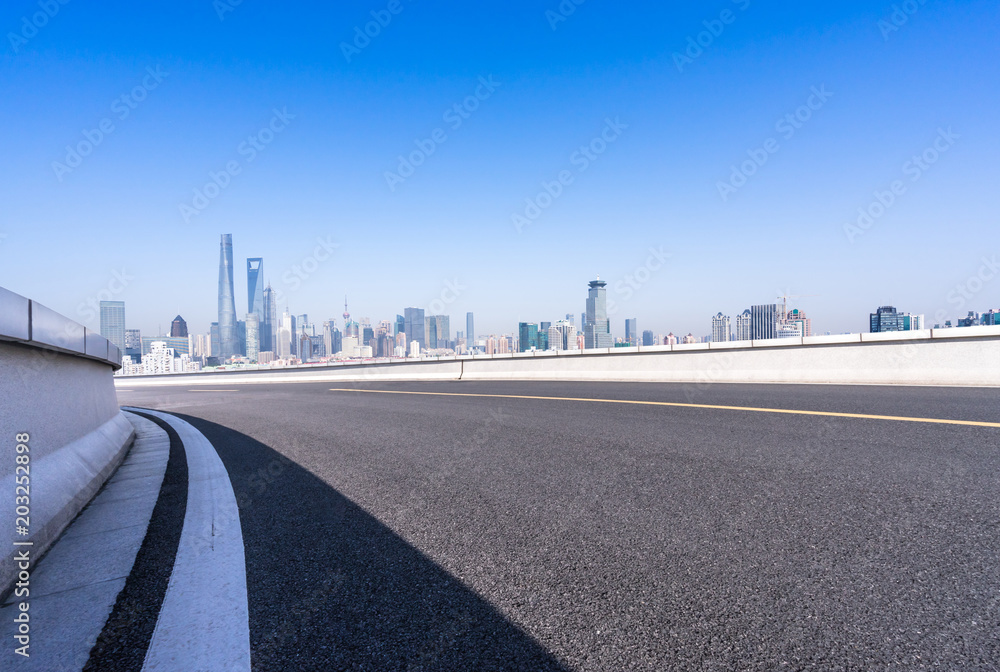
<point>788,411</point>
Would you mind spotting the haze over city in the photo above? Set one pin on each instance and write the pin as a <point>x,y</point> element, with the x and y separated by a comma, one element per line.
<point>831,105</point>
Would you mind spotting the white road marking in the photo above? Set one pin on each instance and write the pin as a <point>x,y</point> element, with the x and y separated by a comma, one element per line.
<point>204,622</point>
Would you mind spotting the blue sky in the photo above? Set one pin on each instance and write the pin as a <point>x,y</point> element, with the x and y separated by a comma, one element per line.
<point>646,212</point>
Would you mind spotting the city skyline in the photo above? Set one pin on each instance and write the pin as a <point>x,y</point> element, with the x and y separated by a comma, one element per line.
<point>564,158</point>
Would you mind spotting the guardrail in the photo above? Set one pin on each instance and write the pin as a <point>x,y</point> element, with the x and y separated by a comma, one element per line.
<point>58,401</point>
<point>957,356</point>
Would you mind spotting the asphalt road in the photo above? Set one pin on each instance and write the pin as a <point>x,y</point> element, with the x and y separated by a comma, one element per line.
<point>426,532</point>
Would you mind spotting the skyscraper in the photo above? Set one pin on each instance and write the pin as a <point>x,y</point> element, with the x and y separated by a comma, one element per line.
<point>269,323</point>
<point>255,286</point>
<point>648,338</point>
<point>414,320</point>
<point>253,337</point>
<point>470,331</point>
<point>227,302</point>
<point>527,336</point>
<point>178,328</point>
<point>430,330</point>
<point>113,322</point>
<point>764,321</point>
<point>596,328</point>
<point>721,329</point>
<point>255,294</point>
<point>133,344</point>
<point>286,330</point>
<point>886,319</point>
<point>743,331</point>
<point>632,331</point>
<point>798,317</point>
<point>438,331</point>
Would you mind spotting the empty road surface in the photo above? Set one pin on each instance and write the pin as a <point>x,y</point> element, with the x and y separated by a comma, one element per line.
<point>524,526</point>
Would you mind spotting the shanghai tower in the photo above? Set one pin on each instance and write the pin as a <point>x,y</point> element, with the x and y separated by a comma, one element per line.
<point>227,301</point>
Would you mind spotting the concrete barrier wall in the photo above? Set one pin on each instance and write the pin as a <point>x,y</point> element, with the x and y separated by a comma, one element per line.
<point>969,356</point>
<point>56,385</point>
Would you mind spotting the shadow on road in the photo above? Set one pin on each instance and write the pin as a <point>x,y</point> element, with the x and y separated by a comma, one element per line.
<point>332,588</point>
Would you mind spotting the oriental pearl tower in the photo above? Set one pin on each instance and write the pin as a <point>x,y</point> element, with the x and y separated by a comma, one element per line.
<point>347,315</point>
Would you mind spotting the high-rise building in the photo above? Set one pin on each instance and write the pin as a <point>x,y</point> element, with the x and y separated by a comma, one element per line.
<point>631,331</point>
<point>113,322</point>
<point>228,344</point>
<point>555,338</point>
<point>527,336</point>
<point>286,331</point>
<point>885,318</point>
<point>180,345</point>
<point>255,287</point>
<point>722,330</point>
<point>332,339</point>
<point>567,336</point>
<point>133,344</point>
<point>648,338</point>
<point>213,332</point>
<point>743,330</point>
<point>438,331</point>
<point>305,347</point>
<point>798,317</point>
<point>178,328</point>
<point>596,328</point>
<point>241,337</point>
<point>764,321</point>
<point>253,337</point>
<point>400,326</point>
<point>470,332</point>
<point>269,323</point>
<point>414,322</point>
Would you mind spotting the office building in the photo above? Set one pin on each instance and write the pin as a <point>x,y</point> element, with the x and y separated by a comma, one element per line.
<point>213,332</point>
<point>566,336</point>
<point>269,323</point>
<point>596,328</point>
<point>178,327</point>
<point>113,322</point>
<point>180,345</point>
<point>241,337</point>
<point>722,329</point>
<point>632,331</point>
<point>648,338</point>
<point>527,336</point>
<point>413,319</point>
<point>286,329</point>
<point>886,318</point>
<point>764,321</point>
<point>798,318</point>
<point>470,332</point>
<point>228,344</point>
<point>255,287</point>
<point>252,337</point>
<point>133,344</point>
<point>438,331</point>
